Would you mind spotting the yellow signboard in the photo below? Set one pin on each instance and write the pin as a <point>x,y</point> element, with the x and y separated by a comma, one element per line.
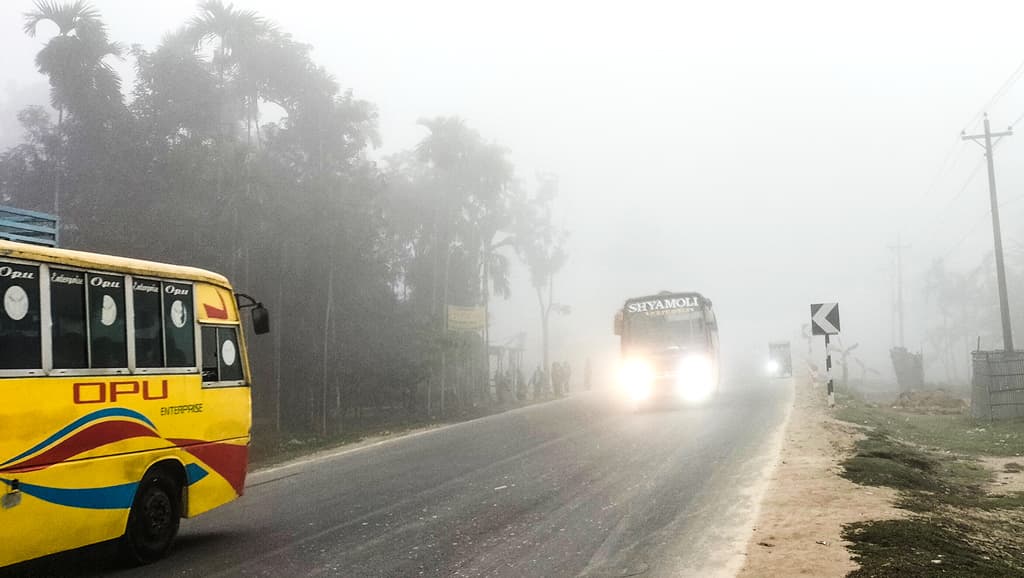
<point>465,318</point>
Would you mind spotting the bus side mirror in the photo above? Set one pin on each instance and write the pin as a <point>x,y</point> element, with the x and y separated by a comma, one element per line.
<point>618,323</point>
<point>260,320</point>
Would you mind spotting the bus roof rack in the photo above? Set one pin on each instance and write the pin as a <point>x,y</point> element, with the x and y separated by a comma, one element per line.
<point>25,226</point>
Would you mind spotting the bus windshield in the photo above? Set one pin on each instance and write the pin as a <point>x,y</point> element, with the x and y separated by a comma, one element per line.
<point>682,328</point>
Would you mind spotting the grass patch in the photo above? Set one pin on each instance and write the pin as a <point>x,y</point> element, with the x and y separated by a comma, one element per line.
<point>880,461</point>
<point>876,471</point>
<point>920,547</point>
<point>956,527</point>
<point>926,480</point>
<point>956,433</point>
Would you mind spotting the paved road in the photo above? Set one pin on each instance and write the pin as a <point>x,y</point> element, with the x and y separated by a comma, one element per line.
<point>573,487</point>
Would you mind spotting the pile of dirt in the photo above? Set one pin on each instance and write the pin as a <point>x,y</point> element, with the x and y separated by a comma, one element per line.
<point>936,401</point>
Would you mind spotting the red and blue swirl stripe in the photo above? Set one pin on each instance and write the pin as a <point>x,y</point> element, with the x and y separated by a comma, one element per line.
<point>95,430</point>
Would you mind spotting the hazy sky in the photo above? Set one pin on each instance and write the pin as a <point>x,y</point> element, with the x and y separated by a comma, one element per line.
<point>763,153</point>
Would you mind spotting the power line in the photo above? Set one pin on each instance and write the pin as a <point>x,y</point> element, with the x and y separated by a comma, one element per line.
<point>967,183</point>
<point>1019,118</point>
<point>945,207</point>
<point>963,189</point>
<point>977,224</point>
<point>1010,81</point>
<point>1006,86</point>
<point>967,235</point>
<point>953,149</point>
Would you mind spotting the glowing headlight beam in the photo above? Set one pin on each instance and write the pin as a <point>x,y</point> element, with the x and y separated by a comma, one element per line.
<point>637,379</point>
<point>695,381</point>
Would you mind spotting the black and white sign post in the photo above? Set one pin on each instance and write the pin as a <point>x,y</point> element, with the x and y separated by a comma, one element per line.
<point>825,321</point>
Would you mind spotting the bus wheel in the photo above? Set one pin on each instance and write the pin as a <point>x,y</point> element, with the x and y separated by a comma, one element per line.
<point>154,518</point>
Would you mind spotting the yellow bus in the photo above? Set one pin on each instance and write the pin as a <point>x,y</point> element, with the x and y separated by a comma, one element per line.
<point>124,400</point>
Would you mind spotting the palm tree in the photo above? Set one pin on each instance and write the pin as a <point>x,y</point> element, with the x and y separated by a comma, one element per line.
<point>73,60</point>
<point>541,246</point>
<point>236,38</point>
<point>475,181</point>
<point>81,82</point>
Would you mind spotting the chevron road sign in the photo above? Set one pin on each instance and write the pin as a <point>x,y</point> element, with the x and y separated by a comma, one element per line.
<point>825,321</point>
<point>825,318</point>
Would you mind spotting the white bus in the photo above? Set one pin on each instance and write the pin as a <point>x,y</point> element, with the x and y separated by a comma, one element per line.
<point>669,348</point>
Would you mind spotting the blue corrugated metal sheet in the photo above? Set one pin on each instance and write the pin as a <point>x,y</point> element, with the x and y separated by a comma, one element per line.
<point>29,227</point>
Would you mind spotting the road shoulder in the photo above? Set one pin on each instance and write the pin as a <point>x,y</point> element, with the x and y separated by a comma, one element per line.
<point>800,524</point>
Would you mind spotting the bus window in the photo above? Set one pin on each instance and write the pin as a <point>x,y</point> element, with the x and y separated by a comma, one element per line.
<point>221,355</point>
<point>107,337</point>
<point>20,337</point>
<point>210,366</point>
<point>230,362</point>
<point>149,345</point>
<point>179,327</point>
<point>67,309</point>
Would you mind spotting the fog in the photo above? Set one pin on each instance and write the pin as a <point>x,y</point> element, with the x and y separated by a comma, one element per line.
<point>763,154</point>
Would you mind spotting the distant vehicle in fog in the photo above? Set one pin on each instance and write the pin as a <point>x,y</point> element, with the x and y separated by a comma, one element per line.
<point>669,348</point>
<point>780,359</point>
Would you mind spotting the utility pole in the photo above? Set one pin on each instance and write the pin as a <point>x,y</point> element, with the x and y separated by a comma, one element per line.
<point>899,284</point>
<point>1004,304</point>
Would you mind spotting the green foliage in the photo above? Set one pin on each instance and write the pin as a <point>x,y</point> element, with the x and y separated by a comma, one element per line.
<point>920,547</point>
<point>956,528</point>
<point>354,261</point>
<point>73,60</point>
<point>881,462</point>
<point>957,433</point>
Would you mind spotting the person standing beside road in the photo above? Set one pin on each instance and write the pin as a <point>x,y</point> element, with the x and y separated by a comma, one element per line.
<point>556,379</point>
<point>537,382</point>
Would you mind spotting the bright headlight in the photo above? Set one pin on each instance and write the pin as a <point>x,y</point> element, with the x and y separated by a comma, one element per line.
<point>772,367</point>
<point>696,378</point>
<point>637,378</point>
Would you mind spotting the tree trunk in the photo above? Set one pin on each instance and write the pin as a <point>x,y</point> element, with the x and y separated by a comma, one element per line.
<point>277,353</point>
<point>487,326</point>
<point>545,366</point>
<point>327,327</point>
<point>444,305</point>
<point>435,320</point>
<point>58,177</point>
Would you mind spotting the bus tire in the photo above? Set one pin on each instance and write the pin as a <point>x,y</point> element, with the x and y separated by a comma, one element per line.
<point>154,518</point>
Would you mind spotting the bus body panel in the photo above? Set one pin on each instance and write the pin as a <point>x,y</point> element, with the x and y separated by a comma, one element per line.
<point>40,525</point>
<point>75,444</point>
<point>78,464</point>
<point>216,304</point>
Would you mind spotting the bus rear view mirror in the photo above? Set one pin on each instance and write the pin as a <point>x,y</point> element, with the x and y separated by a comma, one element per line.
<point>618,322</point>
<point>260,320</point>
<point>260,315</point>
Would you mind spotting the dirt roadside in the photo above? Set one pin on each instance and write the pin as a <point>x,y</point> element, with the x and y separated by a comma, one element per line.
<point>801,518</point>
